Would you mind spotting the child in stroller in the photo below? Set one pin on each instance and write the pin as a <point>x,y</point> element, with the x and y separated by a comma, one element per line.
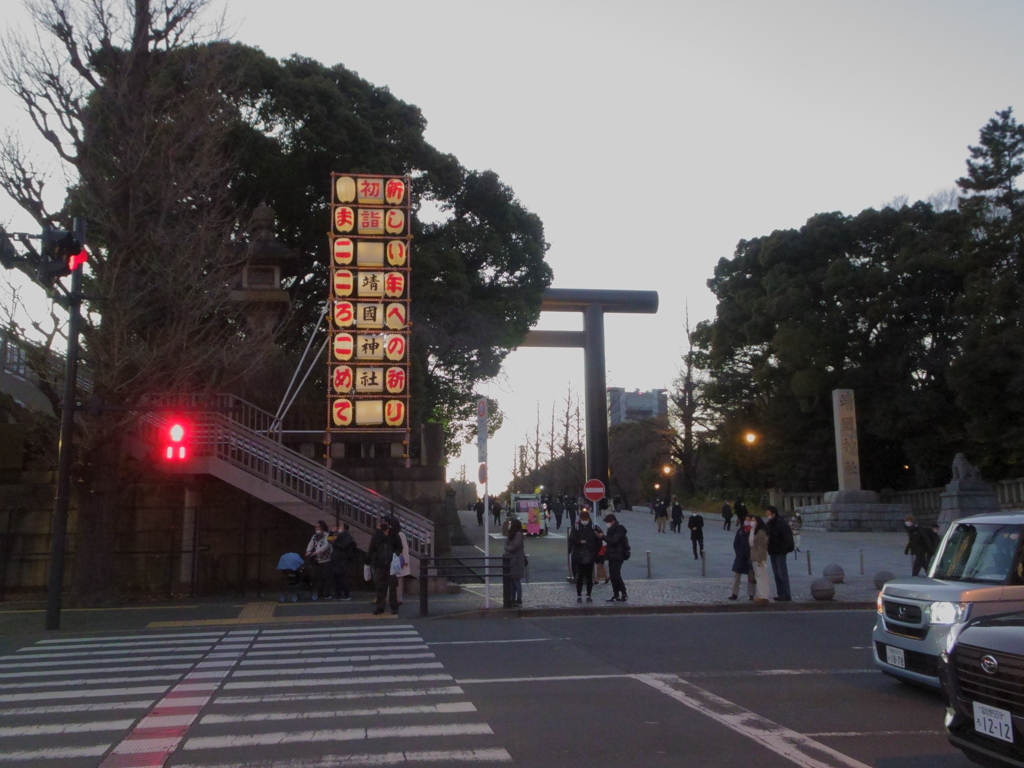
<point>297,578</point>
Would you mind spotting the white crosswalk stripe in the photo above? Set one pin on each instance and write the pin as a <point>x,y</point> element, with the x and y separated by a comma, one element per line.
<point>365,694</point>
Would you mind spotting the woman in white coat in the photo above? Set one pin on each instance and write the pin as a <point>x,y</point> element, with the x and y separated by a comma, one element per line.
<point>759,559</point>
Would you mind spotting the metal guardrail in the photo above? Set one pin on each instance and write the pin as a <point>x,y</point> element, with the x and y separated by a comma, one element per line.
<point>230,429</point>
<point>498,566</point>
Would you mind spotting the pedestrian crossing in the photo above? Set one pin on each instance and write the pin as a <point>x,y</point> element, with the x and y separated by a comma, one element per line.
<point>242,698</point>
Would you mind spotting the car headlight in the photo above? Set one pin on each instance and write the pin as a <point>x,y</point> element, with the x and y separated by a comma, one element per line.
<point>878,604</point>
<point>947,613</point>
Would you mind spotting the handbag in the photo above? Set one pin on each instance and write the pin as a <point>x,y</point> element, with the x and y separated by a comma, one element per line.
<point>396,565</point>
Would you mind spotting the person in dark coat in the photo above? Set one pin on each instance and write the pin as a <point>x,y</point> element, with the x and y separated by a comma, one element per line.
<point>696,526</point>
<point>558,507</point>
<point>741,510</point>
<point>479,509</point>
<point>584,543</point>
<point>384,545</point>
<point>661,514</point>
<point>727,517</point>
<point>515,548</point>
<point>779,539</point>
<point>741,563</point>
<point>677,515</point>
<point>496,512</point>
<point>615,554</point>
<point>918,545</point>
<point>341,552</point>
<point>571,510</point>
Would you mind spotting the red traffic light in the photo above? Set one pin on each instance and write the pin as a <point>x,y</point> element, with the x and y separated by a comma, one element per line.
<point>175,449</point>
<point>75,260</point>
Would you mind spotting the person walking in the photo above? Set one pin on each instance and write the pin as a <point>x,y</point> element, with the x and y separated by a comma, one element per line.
<point>584,541</point>
<point>617,548</point>
<point>740,509</point>
<point>318,551</point>
<point>661,514</point>
<point>677,515</point>
<point>396,529</point>
<point>917,545</point>
<point>780,544</point>
<point>741,563</point>
<point>341,553</point>
<point>558,507</point>
<point>515,549</point>
<point>570,510</point>
<point>758,538</point>
<point>696,526</point>
<point>727,517</point>
<point>795,525</point>
<point>496,512</point>
<point>384,545</point>
<point>479,507</point>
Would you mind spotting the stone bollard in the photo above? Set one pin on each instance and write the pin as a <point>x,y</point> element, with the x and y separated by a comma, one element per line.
<point>834,573</point>
<point>881,577</point>
<point>822,589</point>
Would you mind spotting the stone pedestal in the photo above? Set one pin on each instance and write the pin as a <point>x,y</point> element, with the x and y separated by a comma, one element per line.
<point>967,494</point>
<point>841,516</point>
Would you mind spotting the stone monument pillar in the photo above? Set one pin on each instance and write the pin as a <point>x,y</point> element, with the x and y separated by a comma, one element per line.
<point>967,494</point>
<point>851,508</point>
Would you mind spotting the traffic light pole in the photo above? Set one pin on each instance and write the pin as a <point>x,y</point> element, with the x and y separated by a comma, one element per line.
<point>59,536</point>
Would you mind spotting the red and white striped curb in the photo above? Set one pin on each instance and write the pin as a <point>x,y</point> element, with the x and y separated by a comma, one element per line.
<point>155,737</point>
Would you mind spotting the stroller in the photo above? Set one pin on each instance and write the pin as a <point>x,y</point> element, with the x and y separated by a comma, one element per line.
<point>297,579</point>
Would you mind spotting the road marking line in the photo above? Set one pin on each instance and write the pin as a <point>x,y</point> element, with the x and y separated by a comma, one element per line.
<point>795,747</point>
<point>130,638</point>
<point>58,753</point>
<point>326,640</point>
<point>397,693</point>
<point>342,734</point>
<point>319,669</point>
<point>193,650</point>
<point>181,624</point>
<point>368,657</point>
<point>48,649</point>
<point>488,642</point>
<point>66,663</point>
<point>422,709</point>
<point>101,670</point>
<point>379,758</point>
<point>69,708</point>
<point>83,693</point>
<point>378,680</point>
<point>89,681</point>
<point>543,679</point>
<point>58,728</point>
<point>834,734</point>
<point>305,632</point>
<point>342,647</point>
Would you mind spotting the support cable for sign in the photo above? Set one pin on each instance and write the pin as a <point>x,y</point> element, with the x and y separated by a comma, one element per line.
<point>279,419</point>
<point>279,416</point>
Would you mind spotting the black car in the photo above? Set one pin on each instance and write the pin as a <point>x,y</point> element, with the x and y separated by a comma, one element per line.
<point>982,673</point>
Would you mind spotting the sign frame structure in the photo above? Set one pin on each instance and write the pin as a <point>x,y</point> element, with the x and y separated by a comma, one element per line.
<point>369,302</point>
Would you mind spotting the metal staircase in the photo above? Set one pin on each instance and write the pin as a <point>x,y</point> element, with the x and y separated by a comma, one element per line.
<point>233,440</point>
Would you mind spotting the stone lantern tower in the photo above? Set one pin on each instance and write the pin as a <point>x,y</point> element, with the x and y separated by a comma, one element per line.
<point>259,286</point>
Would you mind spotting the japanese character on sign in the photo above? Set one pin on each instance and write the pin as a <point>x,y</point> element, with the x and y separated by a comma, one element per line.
<point>396,253</point>
<point>370,316</point>
<point>394,413</point>
<point>394,192</point>
<point>394,284</point>
<point>343,249</point>
<point>371,284</point>
<point>845,399</point>
<point>850,467</point>
<point>371,221</point>
<point>849,445</point>
<point>342,379</point>
<point>847,424</point>
<point>342,282</point>
<point>395,221</point>
<point>369,380</point>
<point>371,190</point>
<point>344,345</point>
<point>396,316</point>
<point>342,412</point>
<point>344,218</point>
<point>369,348</point>
<point>395,380</point>
<point>394,347</point>
<point>344,314</point>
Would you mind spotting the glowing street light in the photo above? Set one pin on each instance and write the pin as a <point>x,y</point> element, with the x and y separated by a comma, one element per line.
<point>667,469</point>
<point>750,437</point>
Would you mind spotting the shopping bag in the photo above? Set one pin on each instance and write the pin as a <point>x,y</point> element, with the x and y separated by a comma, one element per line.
<point>396,565</point>
<point>367,573</point>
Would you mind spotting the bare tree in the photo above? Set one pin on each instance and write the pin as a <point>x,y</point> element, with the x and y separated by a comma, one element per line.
<point>688,412</point>
<point>140,119</point>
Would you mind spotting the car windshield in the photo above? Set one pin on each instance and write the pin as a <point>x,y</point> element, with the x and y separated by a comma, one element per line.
<point>978,552</point>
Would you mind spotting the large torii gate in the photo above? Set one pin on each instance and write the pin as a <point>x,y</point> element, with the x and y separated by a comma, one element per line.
<point>593,304</point>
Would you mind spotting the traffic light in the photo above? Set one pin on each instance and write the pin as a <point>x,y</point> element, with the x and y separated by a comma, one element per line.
<point>62,253</point>
<point>176,442</point>
<point>8,255</point>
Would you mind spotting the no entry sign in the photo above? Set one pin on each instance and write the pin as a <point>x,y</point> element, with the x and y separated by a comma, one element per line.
<point>594,490</point>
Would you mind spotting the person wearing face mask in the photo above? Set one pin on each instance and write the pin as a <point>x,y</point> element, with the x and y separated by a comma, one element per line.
<point>741,563</point>
<point>584,541</point>
<point>318,551</point>
<point>758,538</point>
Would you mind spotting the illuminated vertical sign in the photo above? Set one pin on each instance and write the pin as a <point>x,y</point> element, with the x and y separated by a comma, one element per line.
<point>368,358</point>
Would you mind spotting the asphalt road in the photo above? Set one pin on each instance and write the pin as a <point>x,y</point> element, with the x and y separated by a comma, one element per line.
<point>752,690</point>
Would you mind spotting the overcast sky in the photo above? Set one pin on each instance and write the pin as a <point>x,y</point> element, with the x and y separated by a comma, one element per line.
<point>650,137</point>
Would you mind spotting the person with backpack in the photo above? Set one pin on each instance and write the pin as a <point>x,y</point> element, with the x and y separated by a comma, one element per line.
<point>584,543</point>
<point>780,544</point>
<point>341,554</point>
<point>384,545</point>
<point>616,553</point>
<point>696,526</point>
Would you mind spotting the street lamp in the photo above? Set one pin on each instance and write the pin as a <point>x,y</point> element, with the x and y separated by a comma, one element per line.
<point>750,437</point>
<point>668,470</point>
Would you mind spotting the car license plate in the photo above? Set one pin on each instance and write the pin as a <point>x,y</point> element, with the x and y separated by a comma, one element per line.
<point>993,722</point>
<point>895,657</point>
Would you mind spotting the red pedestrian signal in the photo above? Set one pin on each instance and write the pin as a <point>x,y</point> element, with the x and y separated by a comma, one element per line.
<point>176,448</point>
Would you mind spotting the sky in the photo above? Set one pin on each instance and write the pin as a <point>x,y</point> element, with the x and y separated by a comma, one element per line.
<point>651,137</point>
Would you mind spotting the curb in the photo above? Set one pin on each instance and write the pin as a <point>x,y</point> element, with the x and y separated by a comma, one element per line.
<point>649,610</point>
